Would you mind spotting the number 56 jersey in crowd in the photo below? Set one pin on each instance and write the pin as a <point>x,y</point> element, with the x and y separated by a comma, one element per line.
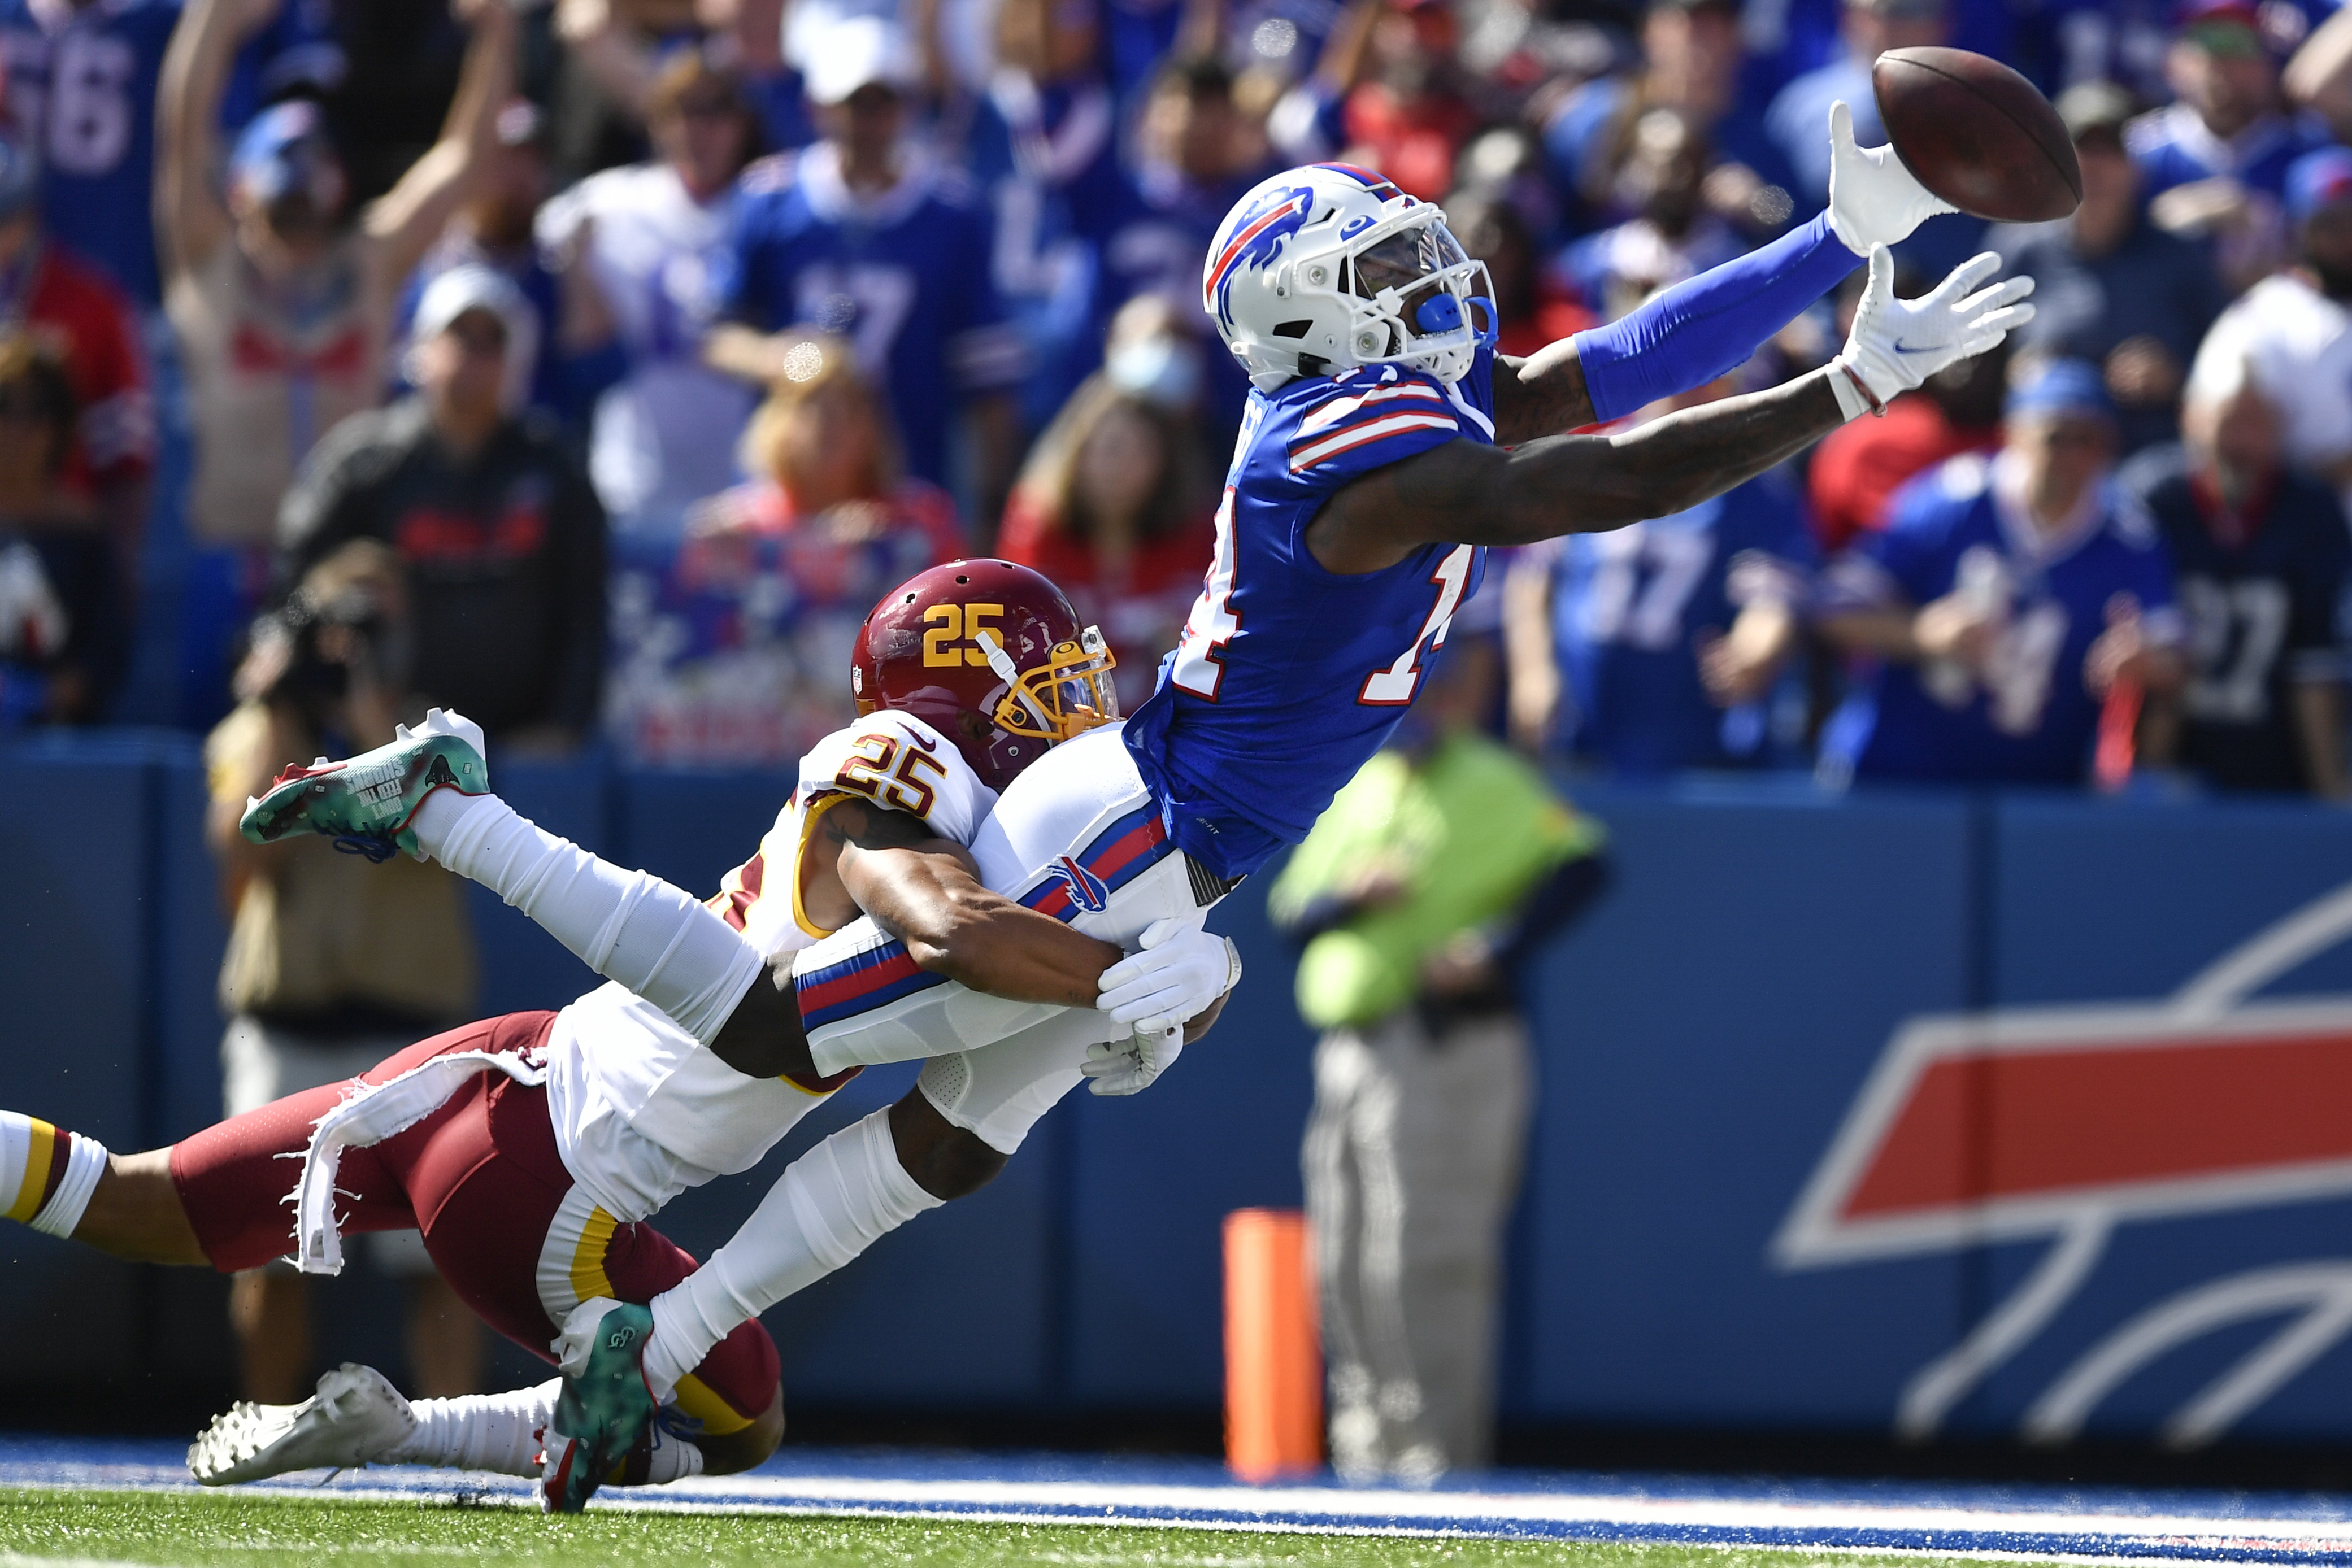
<point>1288,676</point>
<point>642,1112</point>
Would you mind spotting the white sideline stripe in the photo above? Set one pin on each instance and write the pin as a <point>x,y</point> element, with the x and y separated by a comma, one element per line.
<point>1842,1526</point>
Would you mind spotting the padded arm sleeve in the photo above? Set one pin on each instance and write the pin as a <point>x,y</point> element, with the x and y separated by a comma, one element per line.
<point>1689,334</point>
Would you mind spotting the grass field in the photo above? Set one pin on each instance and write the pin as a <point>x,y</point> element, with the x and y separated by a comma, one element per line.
<point>106,1527</point>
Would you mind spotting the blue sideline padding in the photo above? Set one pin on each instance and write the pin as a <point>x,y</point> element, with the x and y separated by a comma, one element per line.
<point>1993,1116</point>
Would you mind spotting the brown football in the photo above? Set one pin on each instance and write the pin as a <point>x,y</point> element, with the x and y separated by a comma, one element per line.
<point>1977,134</point>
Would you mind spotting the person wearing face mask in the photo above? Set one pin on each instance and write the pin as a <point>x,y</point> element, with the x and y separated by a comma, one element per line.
<point>281,304</point>
<point>2294,327</point>
<point>501,535</point>
<point>2261,555</point>
<point>1113,506</point>
<point>2004,600</point>
<point>331,963</point>
<point>728,647</point>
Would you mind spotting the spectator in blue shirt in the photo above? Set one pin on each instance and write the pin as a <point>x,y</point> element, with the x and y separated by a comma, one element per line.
<point>2006,598</point>
<point>2110,286</point>
<point>865,235</point>
<point>2262,556</point>
<point>1690,63</point>
<point>1798,117</point>
<point>1670,236</point>
<point>1656,647</point>
<point>2215,160</point>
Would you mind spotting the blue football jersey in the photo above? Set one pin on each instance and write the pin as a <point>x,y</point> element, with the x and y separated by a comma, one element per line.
<point>1632,608</point>
<point>903,275</point>
<point>81,85</point>
<point>1288,677</point>
<point>2027,719</point>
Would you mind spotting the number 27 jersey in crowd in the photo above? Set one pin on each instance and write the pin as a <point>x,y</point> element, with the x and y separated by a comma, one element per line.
<point>1288,676</point>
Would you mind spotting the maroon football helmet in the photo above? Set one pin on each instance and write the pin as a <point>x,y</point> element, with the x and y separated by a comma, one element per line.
<point>991,655</point>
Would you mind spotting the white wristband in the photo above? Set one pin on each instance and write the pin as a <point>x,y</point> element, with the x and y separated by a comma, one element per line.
<point>1846,387</point>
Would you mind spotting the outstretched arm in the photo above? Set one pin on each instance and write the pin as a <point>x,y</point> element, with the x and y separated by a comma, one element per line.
<point>1697,330</point>
<point>405,220</point>
<point>928,893</point>
<point>190,218</point>
<point>1469,492</point>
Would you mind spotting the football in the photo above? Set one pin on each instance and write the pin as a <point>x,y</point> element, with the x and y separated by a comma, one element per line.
<point>1977,134</point>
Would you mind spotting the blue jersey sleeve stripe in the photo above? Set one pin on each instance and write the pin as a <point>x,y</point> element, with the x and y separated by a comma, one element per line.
<point>1306,454</point>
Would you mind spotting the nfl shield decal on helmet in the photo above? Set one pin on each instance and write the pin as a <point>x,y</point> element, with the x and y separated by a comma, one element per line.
<point>1087,891</point>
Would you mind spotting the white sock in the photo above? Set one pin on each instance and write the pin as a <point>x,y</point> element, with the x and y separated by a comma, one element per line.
<point>46,1174</point>
<point>672,1459</point>
<point>829,1205</point>
<point>627,926</point>
<point>494,1432</point>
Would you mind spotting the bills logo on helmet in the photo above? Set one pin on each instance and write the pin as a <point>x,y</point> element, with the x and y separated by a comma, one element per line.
<point>1087,891</point>
<point>1257,238</point>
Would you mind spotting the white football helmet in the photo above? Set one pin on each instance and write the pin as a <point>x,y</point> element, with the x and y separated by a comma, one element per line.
<point>1327,266</point>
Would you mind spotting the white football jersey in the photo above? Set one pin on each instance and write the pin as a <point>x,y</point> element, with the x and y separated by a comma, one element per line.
<point>642,1110</point>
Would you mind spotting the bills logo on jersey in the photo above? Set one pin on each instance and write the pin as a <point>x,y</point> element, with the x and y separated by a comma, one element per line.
<point>1257,238</point>
<point>1087,891</point>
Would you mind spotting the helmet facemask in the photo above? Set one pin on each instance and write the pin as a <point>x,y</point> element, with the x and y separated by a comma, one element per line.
<point>1408,293</point>
<point>1071,693</point>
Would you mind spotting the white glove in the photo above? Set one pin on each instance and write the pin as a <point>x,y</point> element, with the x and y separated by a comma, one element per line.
<point>1873,198</point>
<point>1179,971</point>
<point>1898,343</point>
<point>1128,1066</point>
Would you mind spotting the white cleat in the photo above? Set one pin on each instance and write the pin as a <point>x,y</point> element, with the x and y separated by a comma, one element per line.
<point>446,721</point>
<point>357,1418</point>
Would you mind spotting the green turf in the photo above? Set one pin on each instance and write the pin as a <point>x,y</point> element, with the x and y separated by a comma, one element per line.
<point>100,1527</point>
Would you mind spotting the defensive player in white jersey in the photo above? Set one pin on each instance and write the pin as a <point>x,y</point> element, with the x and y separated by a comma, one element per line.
<point>1386,445</point>
<point>529,1150</point>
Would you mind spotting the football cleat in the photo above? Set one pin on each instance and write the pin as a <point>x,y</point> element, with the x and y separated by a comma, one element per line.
<point>356,1417</point>
<point>366,803</point>
<point>605,1408</point>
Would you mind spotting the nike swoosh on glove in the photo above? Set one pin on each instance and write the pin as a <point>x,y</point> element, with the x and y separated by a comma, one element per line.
<point>1128,1066</point>
<point>1896,344</point>
<point>1874,199</point>
<point>1178,972</point>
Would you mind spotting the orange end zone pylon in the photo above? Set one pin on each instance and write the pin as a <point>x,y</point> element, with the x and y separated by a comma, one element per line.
<point>1274,1363</point>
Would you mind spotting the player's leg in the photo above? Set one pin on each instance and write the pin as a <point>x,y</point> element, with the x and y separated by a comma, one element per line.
<point>428,792</point>
<point>967,1116</point>
<point>1460,1129</point>
<point>1331,1164</point>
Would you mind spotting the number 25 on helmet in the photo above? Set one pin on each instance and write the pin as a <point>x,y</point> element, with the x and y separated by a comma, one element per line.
<point>991,655</point>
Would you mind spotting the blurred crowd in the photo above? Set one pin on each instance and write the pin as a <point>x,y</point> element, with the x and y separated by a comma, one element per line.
<point>649,340</point>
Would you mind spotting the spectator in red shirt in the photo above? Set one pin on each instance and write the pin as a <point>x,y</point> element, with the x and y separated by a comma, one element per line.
<point>1113,506</point>
<point>1386,94</point>
<point>67,304</point>
<point>1863,464</point>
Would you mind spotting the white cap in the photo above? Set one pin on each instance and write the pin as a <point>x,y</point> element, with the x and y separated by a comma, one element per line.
<point>855,52</point>
<point>473,287</point>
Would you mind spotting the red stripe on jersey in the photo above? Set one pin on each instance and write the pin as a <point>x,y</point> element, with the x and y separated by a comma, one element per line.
<point>1346,438</point>
<point>1140,841</point>
<point>858,982</point>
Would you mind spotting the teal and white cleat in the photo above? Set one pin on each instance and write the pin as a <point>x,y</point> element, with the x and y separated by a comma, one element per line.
<point>356,1417</point>
<point>605,1408</point>
<point>366,803</point>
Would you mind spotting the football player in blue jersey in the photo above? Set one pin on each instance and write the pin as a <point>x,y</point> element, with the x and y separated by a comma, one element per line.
<point>1366,482</point>
<point>2003,602</point>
